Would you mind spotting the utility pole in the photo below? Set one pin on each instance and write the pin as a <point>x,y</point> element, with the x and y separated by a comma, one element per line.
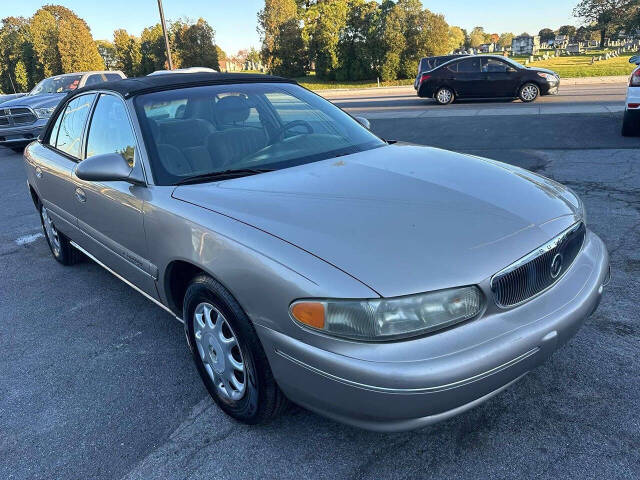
<point>166,37</point>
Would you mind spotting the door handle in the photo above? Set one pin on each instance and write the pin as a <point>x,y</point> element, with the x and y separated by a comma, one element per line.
<point>80,195</point>
<point>38,172</point>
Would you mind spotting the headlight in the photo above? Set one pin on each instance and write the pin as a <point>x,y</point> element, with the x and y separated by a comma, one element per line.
<point>44,112</point>
<point>547,76</point>
<point>387,319</point>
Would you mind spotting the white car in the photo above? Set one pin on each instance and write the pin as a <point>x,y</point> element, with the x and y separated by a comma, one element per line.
<point>631,120</point>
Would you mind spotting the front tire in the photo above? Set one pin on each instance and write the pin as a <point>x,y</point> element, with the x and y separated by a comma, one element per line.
<point>629,125</point>
<point>228,354</point>
<point>444,96</point>
<point>59,245</point>
<point>529,92</point>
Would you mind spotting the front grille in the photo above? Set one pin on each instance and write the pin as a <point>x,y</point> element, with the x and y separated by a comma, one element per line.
<point>538,270</point>
<point>13,116</point>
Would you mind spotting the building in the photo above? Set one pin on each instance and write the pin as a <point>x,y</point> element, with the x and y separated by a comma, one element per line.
<point>525,45</point>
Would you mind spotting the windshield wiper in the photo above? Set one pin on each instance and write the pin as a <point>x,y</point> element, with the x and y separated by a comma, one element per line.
<point>222,175</point>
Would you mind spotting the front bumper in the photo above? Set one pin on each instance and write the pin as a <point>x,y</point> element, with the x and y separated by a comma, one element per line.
<point>22,133</point>
<point>406,385</point>
<point>550,87</point>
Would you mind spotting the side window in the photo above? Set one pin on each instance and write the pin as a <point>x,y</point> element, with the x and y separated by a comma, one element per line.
<point>453,67</point>
<point>54,131</point>
<point>112,77</point>
<point>72,125</point>
<point>110,130</point>
<point>469,65</point>
<point>492,65</point>
<point>95,78</point>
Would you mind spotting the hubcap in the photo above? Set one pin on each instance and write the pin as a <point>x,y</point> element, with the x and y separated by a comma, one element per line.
<point>219,350</point>
<point>444,96</point>
<point>50,230</point>
<point>529,92</point>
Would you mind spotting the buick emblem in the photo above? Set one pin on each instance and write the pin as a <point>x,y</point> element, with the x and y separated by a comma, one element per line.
<point>556,265</point>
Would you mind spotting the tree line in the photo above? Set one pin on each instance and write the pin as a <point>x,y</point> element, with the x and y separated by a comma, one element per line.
<point>55,41</point>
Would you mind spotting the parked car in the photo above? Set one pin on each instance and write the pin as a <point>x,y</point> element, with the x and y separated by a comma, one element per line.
<point>10,96</point>
<point>429,63</point>
<point>23,119</point>
<point>387,286</point>
<point>486,76</point>
<point>631,119</point>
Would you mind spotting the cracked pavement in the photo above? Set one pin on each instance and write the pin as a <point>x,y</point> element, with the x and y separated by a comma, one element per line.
<point>96,382</point>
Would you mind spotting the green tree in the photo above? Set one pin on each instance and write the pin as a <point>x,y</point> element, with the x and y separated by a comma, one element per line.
<point>323,23</point>
<point>359,46</point>
<point>44,31</point>
<point>127,53</point>
<point>78,50</point>
<point>477,37</point>
<point>271,20</point>
<point>20,77</point>
<point>153,51</point>
<point>194,44</point>
<point>222,58</point>
<point>456,38</point>
<point>253,56</point>
<point>568,30</point>
<point>546,34</point>
<point>505,40</point>
<point>289,53</point>
<point>16,47</point>
<point>606,16</point>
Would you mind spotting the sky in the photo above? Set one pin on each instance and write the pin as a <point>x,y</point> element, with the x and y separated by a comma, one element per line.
<point>235,20</point>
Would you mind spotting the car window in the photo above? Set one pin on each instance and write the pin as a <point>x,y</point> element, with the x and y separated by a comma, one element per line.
<point>53,136</point>
<point>493,65</point>
<point>59,84</point>
<point>110,130</point>
<point>93,79</point>
<point>469,65</point>
<point>113,77</point>
<point>72,125</point>
<point>452,67</point>
<point>234,127</point>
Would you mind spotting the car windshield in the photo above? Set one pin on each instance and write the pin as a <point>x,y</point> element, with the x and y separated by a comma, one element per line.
<point>59,84</point>
<point>513,62</point>
<point>248,127</point>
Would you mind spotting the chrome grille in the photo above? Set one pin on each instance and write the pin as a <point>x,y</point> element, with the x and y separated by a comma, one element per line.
<point>540,269</point>
<point>13,116</point>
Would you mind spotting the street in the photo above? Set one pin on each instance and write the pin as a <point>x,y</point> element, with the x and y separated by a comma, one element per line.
<point>97,382</point>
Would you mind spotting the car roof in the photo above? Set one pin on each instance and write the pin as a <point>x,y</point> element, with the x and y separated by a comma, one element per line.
<point>130,87</point>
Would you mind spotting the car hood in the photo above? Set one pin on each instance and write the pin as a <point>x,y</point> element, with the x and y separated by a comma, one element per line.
<point>543,70</point>
<point>401,219</point>
<point>36,101</point>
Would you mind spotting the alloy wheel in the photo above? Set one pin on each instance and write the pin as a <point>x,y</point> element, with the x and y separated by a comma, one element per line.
<point>529,92</point>
<point>444,95</point>
<point>220,352</point>
<point>51,232</point>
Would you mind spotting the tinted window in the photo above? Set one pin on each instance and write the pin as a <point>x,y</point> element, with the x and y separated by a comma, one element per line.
<point>93,79</point>
<point>72,125</point>
<point>112,77</point>
<point>110,130</point>
<point>493,65</point>
<point>54,131</point>
<point>452,67</point>
<point>469,65</point>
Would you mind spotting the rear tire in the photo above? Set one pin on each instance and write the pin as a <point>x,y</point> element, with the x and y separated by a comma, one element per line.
<point>60,246</point>
<point>444,96</point>
<point>244,387</point>
<point>529,92</point>
<point>629,126</point>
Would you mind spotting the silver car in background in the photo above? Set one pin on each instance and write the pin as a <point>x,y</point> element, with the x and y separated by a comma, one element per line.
<point>385,286</point>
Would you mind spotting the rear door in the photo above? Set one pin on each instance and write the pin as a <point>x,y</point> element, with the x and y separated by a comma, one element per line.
<point>110,214</point>
<point>63,151</point>
<point>498,78</point>
<point>468,80</point>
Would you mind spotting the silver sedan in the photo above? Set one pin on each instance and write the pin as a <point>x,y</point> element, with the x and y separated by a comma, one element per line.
<point>383,285</point>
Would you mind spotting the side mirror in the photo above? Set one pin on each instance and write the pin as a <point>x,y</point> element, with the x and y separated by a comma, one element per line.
<point>635,59</point>
<point>109,167</point>
<point>364,122</point>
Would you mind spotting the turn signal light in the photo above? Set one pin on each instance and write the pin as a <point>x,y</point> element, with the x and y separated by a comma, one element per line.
<point>634,80</point>
<point>309,313</point>
<point>424,78</point>
<point>633,105</point>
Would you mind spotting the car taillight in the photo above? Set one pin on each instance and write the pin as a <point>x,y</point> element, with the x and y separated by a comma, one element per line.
<point>424,78</point>
<point>634,80</point>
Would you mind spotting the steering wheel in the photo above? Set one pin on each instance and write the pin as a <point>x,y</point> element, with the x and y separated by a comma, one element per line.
<point>293,124</point>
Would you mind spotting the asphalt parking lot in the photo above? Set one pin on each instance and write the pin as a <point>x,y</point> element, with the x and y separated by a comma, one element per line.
<point>96,381</point>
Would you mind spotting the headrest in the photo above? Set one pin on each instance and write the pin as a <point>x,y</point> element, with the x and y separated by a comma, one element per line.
<point>231,109</point>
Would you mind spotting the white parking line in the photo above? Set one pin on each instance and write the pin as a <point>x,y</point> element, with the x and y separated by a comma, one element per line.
<point>26,239</point>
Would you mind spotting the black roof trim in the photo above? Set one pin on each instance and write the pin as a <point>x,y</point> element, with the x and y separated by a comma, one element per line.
<point>130,87</point>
